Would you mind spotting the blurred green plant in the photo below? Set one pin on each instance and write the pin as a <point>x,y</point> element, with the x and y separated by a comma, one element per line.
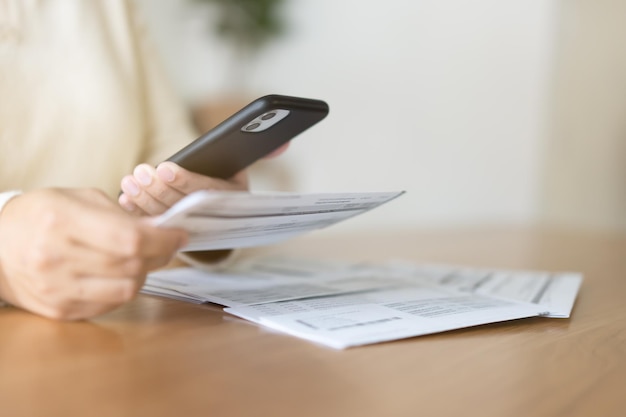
<point>248,24</point>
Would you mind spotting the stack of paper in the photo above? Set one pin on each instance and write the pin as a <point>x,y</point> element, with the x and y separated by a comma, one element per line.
<point>342,305</point>
<point>226,219</point>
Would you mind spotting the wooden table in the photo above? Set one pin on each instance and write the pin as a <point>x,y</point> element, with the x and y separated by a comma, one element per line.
<point>157,357</point>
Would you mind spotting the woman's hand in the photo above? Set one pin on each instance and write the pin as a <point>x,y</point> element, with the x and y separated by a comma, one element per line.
<point>73,254</point>
<point>151,191</point>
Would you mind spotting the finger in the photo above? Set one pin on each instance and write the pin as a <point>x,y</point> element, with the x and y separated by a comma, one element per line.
<point>118,233</point>
<point>146,192</point>
<point>127,204</point>
<point>87,310</point>
<point>64,309</point>
<point>104,290</point>
<point>67,226</point>
<point>156,192</point>
<point>145,241</point>
<point>72,310</point>
<point>129,186</point>
<point>53,265</point>
<point>87,262</point>
<point>69,299</point>
<point>133,193</point>
<point>155,186</point>
<point>187,182</point>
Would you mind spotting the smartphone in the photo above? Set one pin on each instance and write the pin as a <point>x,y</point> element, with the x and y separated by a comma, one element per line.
<point>250,134</point>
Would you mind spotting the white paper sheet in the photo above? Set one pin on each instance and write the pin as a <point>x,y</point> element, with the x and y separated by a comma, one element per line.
<point>226,220</point>
<point>343,304</point>
<point>240,289</point>
<point>552,292</point>
<point>379,316</point>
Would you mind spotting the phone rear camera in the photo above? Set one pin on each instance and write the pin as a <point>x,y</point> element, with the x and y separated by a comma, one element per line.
<point>253,126</point>
<point>263,121</point>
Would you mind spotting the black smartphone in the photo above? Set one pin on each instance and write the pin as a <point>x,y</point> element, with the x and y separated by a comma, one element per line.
<point>250,134</point>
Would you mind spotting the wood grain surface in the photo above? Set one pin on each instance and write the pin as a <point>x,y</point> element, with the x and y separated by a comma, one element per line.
<point>158,357</point>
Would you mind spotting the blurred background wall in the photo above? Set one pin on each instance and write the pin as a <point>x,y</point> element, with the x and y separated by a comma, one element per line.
<point>487,112</point>
<point>584,173</point>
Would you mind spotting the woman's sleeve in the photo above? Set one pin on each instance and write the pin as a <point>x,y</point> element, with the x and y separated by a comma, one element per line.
<point>6,196</point>
<point>167,118</point>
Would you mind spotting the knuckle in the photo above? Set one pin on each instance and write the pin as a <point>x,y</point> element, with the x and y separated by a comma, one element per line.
<point>161,193</point>
<point>134,267</point>
<point>50,219</point>
<point>181,183</point>
<point>127,204</point>
<point>144,201</point>
<point>40,259</point>
<point>133,242</point>
<point>44,287</point>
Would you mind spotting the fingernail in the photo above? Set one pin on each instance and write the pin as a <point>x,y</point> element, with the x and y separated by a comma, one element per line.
<point>126,203</point>
<point>165,173</point>
<point>129,186</point>
<point>143,176</point>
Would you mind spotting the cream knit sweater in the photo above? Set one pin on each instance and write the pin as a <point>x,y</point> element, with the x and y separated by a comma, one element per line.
<point>83,98</point>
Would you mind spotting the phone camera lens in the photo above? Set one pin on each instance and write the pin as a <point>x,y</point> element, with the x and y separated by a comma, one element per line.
<point>252,126</point>
<point>268,116</point>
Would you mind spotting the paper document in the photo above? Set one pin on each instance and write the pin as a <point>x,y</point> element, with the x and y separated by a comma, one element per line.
<point>552,293</point>
<point>236,289</point>
<point>342,304</point>
<point>226,219</point>
<point>383,315</point>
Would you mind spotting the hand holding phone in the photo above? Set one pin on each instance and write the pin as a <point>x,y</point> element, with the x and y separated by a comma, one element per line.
<point>254,132</point>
